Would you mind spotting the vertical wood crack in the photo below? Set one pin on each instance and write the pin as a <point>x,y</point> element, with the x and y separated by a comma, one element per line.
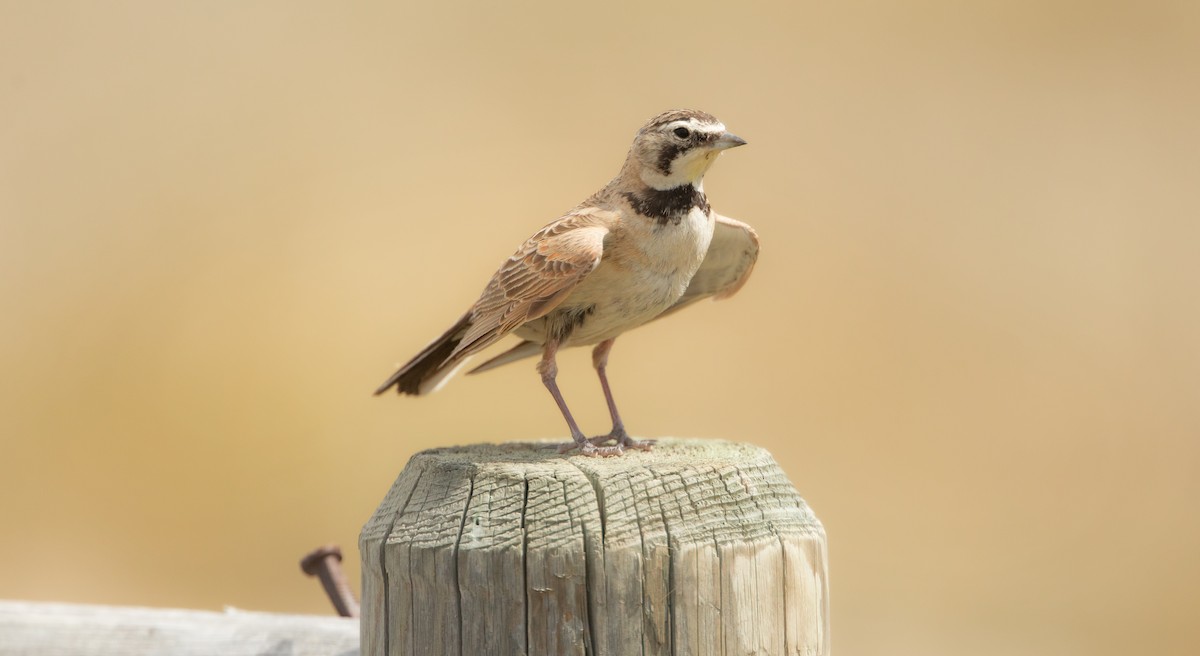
<point>525,558</point>
<point>672,549</point>
<point>454,555</point>
<point>387,586</point>
<point>637,515</point>
<point>589,564</point>
<point>589,629</point>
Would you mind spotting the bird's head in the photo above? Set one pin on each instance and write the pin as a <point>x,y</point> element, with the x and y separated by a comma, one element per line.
<point>676,148</point>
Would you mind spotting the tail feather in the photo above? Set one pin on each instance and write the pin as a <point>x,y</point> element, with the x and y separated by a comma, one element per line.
<point>519,352</point>
<point>431,367</point>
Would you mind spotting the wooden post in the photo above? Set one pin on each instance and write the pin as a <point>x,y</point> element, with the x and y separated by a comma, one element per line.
<point>697,547</point>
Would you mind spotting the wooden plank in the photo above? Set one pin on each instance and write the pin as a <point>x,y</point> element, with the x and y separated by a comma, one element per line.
<point>44,629</point>
<point>698,625</point>
<point>635,551</point>
<point>491,565</point>
<point>555,561</point>
<point>421,564</point>
<point>806,595</point>
<point>624,561</point>
<point>370,546</point>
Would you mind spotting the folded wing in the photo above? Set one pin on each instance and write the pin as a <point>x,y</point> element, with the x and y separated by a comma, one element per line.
<point>535,279</point>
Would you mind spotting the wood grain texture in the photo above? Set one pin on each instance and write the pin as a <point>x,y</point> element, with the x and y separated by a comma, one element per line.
<point>44,629</point>
<point>697,547</point>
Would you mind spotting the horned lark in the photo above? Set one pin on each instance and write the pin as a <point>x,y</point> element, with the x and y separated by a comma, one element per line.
<point>644,246</point>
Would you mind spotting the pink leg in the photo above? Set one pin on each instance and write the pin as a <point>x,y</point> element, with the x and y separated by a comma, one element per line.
<point>600,362</point>
<point>548,368</point>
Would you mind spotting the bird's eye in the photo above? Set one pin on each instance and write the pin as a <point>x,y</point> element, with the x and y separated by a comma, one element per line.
<point>682,133</point>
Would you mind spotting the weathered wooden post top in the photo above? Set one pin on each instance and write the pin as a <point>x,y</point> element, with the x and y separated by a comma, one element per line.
<point>697,547</point>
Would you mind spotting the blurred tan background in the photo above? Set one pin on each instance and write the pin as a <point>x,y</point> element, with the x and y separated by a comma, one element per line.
<point>972,338</point>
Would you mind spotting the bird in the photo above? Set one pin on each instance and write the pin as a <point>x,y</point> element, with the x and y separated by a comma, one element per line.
<point>643,247</point>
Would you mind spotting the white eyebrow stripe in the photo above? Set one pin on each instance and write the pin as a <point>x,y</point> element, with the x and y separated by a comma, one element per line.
<point>692,123</point>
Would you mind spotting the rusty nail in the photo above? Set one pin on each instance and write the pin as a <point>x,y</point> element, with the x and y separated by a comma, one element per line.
<point>326,564</point>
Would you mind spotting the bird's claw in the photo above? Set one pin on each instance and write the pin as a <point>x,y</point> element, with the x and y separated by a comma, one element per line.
<point>640,445</point>
<point>622,439</point>
<point>586,448</point>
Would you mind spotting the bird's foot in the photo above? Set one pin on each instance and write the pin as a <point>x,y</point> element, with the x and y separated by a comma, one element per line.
<point>586,448</point>
<point>622,439</point>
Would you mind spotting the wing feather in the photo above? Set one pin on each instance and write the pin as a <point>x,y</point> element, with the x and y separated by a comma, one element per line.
<point>726,267</point>
<point>535,279</point>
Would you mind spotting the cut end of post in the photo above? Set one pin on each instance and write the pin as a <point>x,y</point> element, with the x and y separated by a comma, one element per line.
<point>513,548</point>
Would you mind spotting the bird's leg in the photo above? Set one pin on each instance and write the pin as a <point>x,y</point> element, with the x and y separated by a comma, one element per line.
<point>548,368</point>
<point>600,362</point>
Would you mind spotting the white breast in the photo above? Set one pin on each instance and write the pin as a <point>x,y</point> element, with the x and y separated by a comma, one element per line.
<point>678,250</point>
<point>625,297</point>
